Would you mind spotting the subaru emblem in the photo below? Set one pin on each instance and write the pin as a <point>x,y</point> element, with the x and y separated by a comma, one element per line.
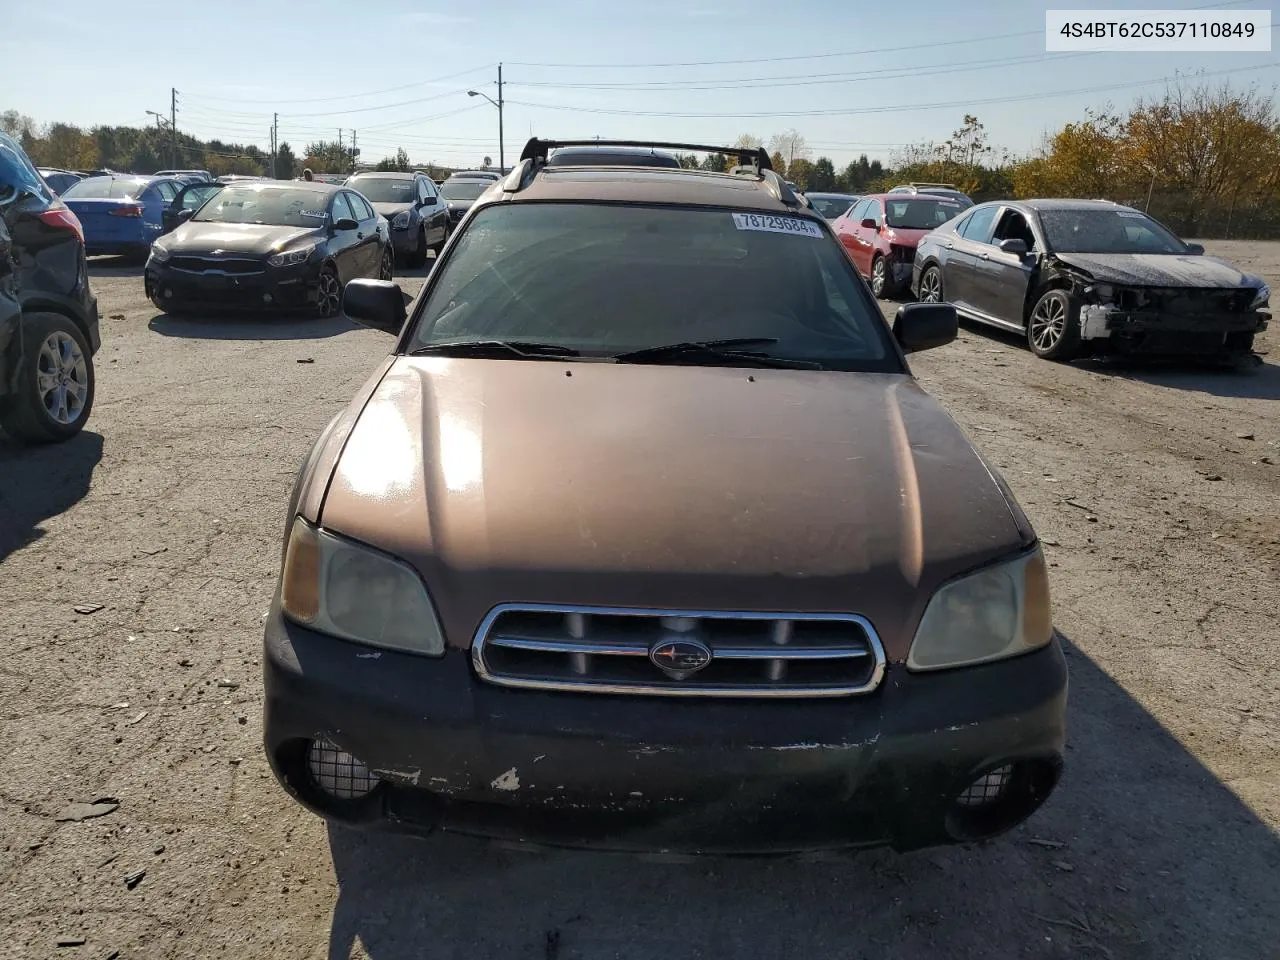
<point>679,658</point>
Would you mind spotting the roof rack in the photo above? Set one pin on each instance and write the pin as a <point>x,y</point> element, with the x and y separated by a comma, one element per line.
<point>923,183</point>
<point>758,157</point>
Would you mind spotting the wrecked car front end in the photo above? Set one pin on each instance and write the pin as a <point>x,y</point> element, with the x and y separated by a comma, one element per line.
<point>1173,320</point>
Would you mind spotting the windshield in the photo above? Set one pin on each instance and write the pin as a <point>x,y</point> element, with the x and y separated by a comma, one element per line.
<point>606,279</point>
<point>919,213</point>
<point>464,189</point>
<point>385,189</point>
<point>105,188</point>
<point>1107,231</point>
<point>16,171</point>
<point>830,207</point>
<point>285,206</point>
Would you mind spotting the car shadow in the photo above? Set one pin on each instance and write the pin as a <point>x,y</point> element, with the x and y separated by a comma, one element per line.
<point>276,327</point>
<point>40,482</point>
<point>1142,853</point>
<point>108,266</point>
<point>1255,381</point>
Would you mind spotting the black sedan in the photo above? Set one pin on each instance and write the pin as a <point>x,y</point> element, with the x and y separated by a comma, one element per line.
<point>831,205</point>
<point>1083,276</point>
<point>410,203</point>
<point>269,244</point>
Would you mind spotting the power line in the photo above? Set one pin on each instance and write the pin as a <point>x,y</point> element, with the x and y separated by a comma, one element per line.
<point>350,96</point>
<point>812,79</point>
<point>820,56</point>
<point>894,108</point>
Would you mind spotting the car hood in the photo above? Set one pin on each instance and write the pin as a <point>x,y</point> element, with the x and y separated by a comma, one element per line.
<point>672,487</point>
<point>1160,269</point>
<point>251,238</point>
<point>459,204</point>
<point>389,210</point>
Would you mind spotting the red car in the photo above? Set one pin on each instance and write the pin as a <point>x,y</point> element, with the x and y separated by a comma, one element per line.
<point>880,233</point>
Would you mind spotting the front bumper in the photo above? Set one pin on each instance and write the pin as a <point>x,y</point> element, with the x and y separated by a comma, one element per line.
<point>280,288</point>
<point>1160,331</point>
<point>652,774</point>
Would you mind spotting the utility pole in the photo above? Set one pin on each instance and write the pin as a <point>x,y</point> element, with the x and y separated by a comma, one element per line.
<point>173,125</point>
<point>502,160</point>
<point>275,144</point>
<point>354,151</point>
<point>339,136</point>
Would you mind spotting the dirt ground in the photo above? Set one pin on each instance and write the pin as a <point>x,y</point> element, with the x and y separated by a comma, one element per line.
<point>1155,490</point>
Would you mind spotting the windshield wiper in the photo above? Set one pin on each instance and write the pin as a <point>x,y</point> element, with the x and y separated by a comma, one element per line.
<point>528,350</point>
<point>715,351</point>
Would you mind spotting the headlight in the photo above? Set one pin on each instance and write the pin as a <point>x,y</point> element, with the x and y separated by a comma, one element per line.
<point>1260,297</point>
<point>352,591</point>
<point>1000,611</point>
<point>159,253</point>
<point>1102,291</point>
<point>402,220</point>
<point>292,257</point>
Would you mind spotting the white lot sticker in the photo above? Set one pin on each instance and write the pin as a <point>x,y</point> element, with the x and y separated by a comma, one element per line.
<point>771,224</point>
<point>318,214</point>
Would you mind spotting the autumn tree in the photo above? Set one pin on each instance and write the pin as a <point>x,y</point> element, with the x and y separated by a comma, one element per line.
<point>799,172</point>
<point>1204,146</point>
<point>791,145</point>
<point>327,156</point>
<point>399,162</point>
<point>778,161</point>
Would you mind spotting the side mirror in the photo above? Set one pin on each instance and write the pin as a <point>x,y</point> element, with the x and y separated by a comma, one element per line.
<point>185,215</point>
<point>346,223</point>
<point>1196,248</point>
<point>923,326</point>
<point>870,223</point>
<point>1014,245</point>
<point>379,304</point>
<point>429,201</point>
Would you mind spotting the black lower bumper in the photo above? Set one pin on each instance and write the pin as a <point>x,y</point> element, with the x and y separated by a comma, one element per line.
<point>652,774</point>
<point>273,290</point>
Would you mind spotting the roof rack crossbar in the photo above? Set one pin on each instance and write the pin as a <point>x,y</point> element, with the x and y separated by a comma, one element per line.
<point>758,157</point>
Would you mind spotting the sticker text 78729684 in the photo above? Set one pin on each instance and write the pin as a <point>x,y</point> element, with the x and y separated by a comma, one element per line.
<point>769,223</point>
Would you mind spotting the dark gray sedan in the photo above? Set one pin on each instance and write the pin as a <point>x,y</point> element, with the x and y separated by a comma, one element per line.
<point>411,205</point>
<point>1082,276</point>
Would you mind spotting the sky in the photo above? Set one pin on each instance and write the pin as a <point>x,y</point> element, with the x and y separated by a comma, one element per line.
<point>852,76</point>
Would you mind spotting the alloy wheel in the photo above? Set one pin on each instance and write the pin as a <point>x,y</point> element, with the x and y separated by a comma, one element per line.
<point>62,378</point>
<point>385,268</point>
<point>1048,322</point>
<point>878,276</point>
<point>329,301</point>
<point>931,286</point>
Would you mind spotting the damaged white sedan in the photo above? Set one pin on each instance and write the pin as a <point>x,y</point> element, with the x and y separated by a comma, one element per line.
<point>1090,276</point>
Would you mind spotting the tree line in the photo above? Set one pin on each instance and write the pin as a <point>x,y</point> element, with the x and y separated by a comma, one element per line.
<point>1205,160</point>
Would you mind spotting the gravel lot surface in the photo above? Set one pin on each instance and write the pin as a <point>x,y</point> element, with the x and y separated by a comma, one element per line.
<point>1155,489</point>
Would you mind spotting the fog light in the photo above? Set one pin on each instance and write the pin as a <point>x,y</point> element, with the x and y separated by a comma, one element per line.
<point>167,293</point>
<point>266,298</point>
<point>987,788</point>
<point>338,773</point>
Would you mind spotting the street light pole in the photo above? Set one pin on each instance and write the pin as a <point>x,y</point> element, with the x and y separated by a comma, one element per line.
<point>502,158</point>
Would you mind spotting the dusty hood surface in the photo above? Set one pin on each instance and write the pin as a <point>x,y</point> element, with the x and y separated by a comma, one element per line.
<point>1160,270</point>
<point>667,486</point>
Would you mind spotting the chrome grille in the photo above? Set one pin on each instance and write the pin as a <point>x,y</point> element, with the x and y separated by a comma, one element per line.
<point>608,650</point>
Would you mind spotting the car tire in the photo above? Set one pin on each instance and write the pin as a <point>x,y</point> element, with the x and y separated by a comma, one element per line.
<point>55,384</point>
<point>419,255</point>
<point>387,265</point>
<point>880,281</point>
<point>1053,326</point>
<point>931,285</point>
<point>328,293</point>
